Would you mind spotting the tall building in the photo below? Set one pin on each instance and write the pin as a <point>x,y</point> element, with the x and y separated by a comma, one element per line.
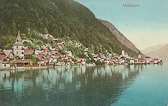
<point>139,55</point>
<point>18,47</point>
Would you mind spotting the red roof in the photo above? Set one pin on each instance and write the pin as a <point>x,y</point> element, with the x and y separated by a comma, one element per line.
<point>28,52</point>
<point>46,50</point>
<point>147,57</point>
<point>40,57</point>
<point>2,57</point>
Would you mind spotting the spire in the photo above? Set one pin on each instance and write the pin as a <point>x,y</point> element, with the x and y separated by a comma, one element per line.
<point>18,39</point>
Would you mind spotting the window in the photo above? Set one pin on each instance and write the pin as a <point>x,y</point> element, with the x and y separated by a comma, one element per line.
<point>5,65</point>
<point>22,52</point>
<point>16,52</point>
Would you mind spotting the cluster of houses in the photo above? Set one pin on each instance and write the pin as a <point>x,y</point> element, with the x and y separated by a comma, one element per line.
<point>50,57</point>
<point>125,59</point>
<point>47,56</point>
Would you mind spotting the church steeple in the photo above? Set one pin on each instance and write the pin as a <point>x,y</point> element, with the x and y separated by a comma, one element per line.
<point>18,47</point>
<point>18,40</point>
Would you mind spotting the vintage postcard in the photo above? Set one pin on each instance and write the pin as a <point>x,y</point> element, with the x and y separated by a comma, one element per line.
<point>83,52</point>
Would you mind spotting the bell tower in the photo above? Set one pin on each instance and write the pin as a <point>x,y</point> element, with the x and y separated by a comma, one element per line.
<point>18,47</point>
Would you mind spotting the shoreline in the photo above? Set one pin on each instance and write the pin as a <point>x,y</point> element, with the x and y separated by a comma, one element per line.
<point>87,65</point>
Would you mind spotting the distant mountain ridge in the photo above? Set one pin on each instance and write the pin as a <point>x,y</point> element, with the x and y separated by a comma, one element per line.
<point>151,49</point>
<point>120,36</point>
<point>161,53</point>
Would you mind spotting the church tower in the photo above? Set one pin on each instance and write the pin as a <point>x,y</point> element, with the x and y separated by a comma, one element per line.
<point>139,55</point>
<point>18,47</point>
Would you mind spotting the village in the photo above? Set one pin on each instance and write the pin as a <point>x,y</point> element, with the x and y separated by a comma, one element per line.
<point>21,57</point>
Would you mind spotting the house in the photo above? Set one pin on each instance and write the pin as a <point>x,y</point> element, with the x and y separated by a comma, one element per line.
<point>46,50</point>
<point>4,65</point>
<point>38,52</point>
<point>54,52</point>
<point>132,61</point>
<point>47,36</point>
<point>56,40</point>
<point>147,59</point>
<point>156,61</point>
<point>86,49</point>
<point>95,56</point>
<point>61,45</point>
<point>9,54</point>
<point>24,63</point>
<point>106,61</point>
<point>68,53</point>
<point>50,64</point>
<point>28,52</point>
<point>7,61</point>
<point>2,58</point>
<point>81,61</point>
<point>55,59</point>
<point>78,44</point>
<point>41,63</point>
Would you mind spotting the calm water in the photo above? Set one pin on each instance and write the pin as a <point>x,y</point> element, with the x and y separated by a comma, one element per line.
<point>141,85</point>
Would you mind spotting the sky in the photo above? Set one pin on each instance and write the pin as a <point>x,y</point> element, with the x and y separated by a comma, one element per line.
<point>145,26</point>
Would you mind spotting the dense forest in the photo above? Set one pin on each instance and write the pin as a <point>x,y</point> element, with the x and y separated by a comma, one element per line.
<point>60,18</point>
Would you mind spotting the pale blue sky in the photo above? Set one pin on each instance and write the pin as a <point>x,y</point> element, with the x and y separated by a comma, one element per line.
<point>145,26</point>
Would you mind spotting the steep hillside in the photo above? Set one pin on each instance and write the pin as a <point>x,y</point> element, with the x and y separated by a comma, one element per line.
<point>60,18</point>
<point>162,53</point>
<point>120,36</point>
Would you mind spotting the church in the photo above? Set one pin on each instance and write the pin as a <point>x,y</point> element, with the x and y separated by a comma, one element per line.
<point>18,47</point>
<point>16,56</point>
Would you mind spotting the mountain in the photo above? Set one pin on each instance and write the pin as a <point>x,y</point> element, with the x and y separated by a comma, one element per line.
<point>120,36</point>
<point>60,18</point>
<point>151,49</point>
<point>161,54</point>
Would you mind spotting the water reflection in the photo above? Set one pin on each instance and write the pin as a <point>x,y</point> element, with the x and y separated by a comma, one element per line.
<point>66,86</point>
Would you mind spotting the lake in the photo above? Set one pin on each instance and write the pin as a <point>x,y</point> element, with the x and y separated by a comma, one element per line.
<point>122,85</point>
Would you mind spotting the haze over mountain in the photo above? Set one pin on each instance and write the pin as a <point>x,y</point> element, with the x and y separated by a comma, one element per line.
<point>120,36</point>
<point>161,53</point>
<point>61,18</point>
<point>151,49</point>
